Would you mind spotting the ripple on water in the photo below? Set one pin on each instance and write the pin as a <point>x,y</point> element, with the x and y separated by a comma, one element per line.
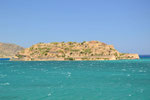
<point>128,75</point>
<point>3,75</point>
<point>68,74</point>
<point>4,84</point>
<point>141,71</point>
<point>129,95</point>
<point>49,94</point>
<point>123,69</point>
<point>140,90</point>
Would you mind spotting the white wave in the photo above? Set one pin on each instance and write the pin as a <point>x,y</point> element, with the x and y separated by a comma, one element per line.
<point>128,75</point>
<point>129,95</point>
<point>4,84</point>
<point>49,94</point>
<point>123,69</point>
<point>140,71</point>
<point>69,74</point>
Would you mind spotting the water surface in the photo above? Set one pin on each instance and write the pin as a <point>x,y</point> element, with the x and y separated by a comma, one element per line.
<point>75,80</point>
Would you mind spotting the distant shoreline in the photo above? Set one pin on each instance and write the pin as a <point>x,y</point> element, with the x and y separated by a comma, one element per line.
<point>141,57</point>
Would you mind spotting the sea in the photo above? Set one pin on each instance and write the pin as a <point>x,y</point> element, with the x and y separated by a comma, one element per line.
<point>75,80</point>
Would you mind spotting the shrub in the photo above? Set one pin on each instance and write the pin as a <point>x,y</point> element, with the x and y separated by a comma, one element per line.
<point>116,54</point>
<point>66,49</point>
<point>87,51</point>
<point>20,56</point>
<point>83,42</point>
<point>31,48</point>
<point>55,43</point>
<point>106,58</point>
<point>70,43</point>
<point>63,55</point>
<point>69,58</point>
<point>121,54</point>
<point>45,54</point>
<point>22,51</point>
<point>81,52</point>
<point>32,59</point>
<point>75,50</point>
<point>85,58</point>
<point>60,51</point>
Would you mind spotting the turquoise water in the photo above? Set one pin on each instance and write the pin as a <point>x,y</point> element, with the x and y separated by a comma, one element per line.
<point>4,59</point>
<point>75,80</point>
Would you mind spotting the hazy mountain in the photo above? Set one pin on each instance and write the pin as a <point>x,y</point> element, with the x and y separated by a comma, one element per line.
<point>8,50</point>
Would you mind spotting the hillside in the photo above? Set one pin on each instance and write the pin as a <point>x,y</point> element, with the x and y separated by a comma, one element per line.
<point>91,50</point>
<point>9,50</point>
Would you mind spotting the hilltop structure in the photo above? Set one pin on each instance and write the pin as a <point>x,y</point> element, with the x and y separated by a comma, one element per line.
<point>91,50</point>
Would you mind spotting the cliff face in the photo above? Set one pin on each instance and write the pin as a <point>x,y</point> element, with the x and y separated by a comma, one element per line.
<point>9,50</point>
<point>92,50</point>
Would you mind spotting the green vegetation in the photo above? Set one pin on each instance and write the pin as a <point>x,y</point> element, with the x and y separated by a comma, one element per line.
<point>70,43</point>
<point>32,53</point>
<point>58,55</point>
<point>99,54</point>
<point>85,58</point>
<point>106,58</point>
<point>60,51</point>
<point>121,54</point>
<point>55,43</point>
<point>69,58</point>
<point>31,48</point>
<point>63,55</point>
<point>32,59</point>
<point>116,54</point>
<point>83,42</point>
<point>45,54</point>
<point>22,51</point>
<point>43,51</point>
<point>20,56</point>
<point>87,51</point>
<point>66,49</point>
<point>75,50</point>
<point>112,49</point>
<point>81,52</point>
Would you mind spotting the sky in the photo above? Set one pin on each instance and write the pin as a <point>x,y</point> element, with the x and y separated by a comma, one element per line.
<point>122,23</point>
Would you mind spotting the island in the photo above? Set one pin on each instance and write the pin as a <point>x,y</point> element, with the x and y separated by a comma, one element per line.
<point>60,51</point>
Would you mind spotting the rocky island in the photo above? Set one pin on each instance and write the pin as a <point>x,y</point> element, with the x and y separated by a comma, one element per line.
<point>59,51</point>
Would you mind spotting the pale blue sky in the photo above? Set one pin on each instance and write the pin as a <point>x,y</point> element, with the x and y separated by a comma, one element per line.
<point>123,23</point>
